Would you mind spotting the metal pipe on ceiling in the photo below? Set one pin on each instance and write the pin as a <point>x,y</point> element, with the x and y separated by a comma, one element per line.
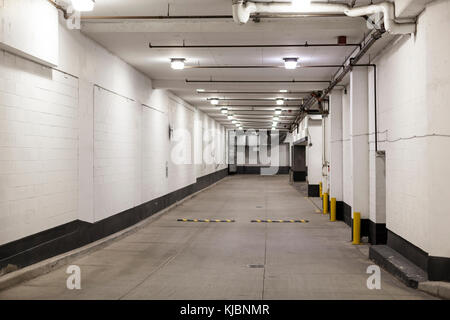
<point>252,99</point>
<point>242,10</point>
<point>208,46</point>
<point>253,105</point>
<point>366,45</point>
<point>256,106</point>
<point>258,116</point>
<point>197,17</point>
<point>253,92</point>
<point>260,66</point>
<point>257,81</point>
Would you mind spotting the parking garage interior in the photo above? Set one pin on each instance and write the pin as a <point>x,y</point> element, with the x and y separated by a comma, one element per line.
<point>224,149</point>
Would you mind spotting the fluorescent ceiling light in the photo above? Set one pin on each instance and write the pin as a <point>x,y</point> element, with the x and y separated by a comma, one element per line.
<point>274,124</point>
<point>234,122</point>
<point>214,101</point>
<point>277,111</point>
<point>240,128</point>
<point>83,5</point>
<point>276,118</point>
<point>280,101</point>
<point>230,117</point>
<point>177,63</point>
<point>290,63</point>
<point>283,91</point>
<point>200,90</point>
<point>224,110</point>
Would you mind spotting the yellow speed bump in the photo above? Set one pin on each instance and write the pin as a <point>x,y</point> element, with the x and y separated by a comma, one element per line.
<point>205,220</point>
<point>280,221</point>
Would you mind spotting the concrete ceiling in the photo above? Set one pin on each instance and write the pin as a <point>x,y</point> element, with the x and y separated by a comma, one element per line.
<point>129,39</point>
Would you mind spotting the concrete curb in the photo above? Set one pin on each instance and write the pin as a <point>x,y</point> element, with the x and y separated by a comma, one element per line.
<point>13,278</point>
<point>397,265</point>
<point>438,289</point>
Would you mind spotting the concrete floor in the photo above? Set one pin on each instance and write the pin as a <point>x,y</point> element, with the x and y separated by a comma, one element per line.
<point>182,260</point>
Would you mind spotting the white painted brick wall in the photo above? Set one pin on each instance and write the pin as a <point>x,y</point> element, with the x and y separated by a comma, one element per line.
<point>117,153</point>
<point>49,172</point>
<point>181,117</point>
<point>155,153</point>
<point>413,92</point>
<point>38,148</point>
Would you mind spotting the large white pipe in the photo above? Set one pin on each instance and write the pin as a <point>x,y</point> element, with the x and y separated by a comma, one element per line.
<point>387,8</point>
<point>242,11</point>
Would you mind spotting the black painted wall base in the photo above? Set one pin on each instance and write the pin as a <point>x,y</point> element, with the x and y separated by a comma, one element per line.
<point>438,268</point>
<point>347,214</point>
<point>75,234</point>
<point>377,233</point>
<point>408,250</point>
<point>313,190</point>
<point>299,175</point>
<point>340,210</point>
<point>257,169</point>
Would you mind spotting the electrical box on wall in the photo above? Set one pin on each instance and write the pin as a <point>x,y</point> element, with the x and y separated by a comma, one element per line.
<point>30,29</point>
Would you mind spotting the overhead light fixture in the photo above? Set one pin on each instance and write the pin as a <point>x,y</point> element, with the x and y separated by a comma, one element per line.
<point>274,124</point>
<point>214,101</point>
<point>177,63</point>
<point>234,122</point>
<point>277,111</point>
<point>280,101</point>
<point>283,91</point>
<point>240,128</point>
<point>200,90</point>
<point>224,110</point>
<point>238,125</point>
<point>83,5</point>
<point>230,117</point>
<point>276,118</point>
<point>290,63</point>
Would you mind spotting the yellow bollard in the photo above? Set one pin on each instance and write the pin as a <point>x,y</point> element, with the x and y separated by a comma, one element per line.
<point>325,203</point>
<point>333,209</point>
<point>356,228</point>
<point>320,189</point>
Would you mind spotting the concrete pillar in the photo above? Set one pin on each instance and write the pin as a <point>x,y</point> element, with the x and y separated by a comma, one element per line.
<point>314,155</point>
<point>377,173</point>
<point>359,129</point>
<point>326,153</point>
<point>335,117</point>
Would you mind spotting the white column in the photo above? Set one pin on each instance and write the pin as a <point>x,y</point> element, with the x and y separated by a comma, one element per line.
<point>359,129</point>
<point>325,153</point>
<point>377,166</point>
<point>314,151</point>
<point>336,167</point>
